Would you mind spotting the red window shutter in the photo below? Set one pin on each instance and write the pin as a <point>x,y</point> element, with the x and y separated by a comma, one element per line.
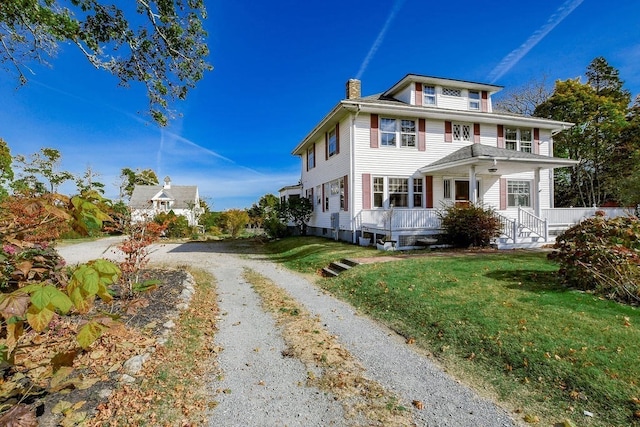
<point>418,93</point>
<point>323,195</point>
<point>337,138</point>
<point>374,131</point>
<point>346,192</point>
<point>536,140</point>
<point>448,135</point>
<point>429,191</point>
<point>326,145</point>
<point>500,136</point>
<point>313,201</point>
<point>307,160</point>
<point>503,194</point>
<point>422,144</point>
<point>366,191</point>
<point>314,155</point>
<point>485,101</point>
<point>476,133</point>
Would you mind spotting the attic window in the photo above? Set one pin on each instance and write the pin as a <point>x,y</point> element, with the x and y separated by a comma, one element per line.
<point>429,94</point>
<point>474,100</point>
<point>451,92</point>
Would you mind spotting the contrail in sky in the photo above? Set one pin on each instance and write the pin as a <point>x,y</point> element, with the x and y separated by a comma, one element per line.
<point>139,119</point>
<point>380,38</point>
<point>517,54</point>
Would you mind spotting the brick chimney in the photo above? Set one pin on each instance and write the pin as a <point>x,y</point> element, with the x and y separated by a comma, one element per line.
<point>353,89</point>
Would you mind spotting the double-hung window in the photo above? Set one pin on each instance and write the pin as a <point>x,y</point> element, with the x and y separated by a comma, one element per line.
<point>311,157</point>
<point>474,100</point>
<point>388,132</point>
<point>461,132</point>
<point>407,133</point>
<point>394,130</point>
<point>378,192</point>
<point>518,139</point>
<point>332,142</point>
<point>399,192</point>
<point>518,193</point>
<point>417,192</point>
<point>429,95</point>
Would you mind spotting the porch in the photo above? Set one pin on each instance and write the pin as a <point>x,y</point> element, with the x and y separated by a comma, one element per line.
<point>416,228</point>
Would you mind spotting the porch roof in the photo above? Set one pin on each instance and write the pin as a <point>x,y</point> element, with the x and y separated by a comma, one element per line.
<point>494,160</point>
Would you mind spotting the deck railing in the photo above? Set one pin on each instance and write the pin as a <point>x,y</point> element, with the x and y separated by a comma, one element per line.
<point>568,216</point>
<point>535,224</point>
<point>390,221</point>
<point>401,219</point>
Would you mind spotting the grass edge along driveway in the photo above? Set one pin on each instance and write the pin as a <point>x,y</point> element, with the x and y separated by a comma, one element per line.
<point>500,322</point>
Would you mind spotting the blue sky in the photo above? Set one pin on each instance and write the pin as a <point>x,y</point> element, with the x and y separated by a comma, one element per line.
<point>280,66</point>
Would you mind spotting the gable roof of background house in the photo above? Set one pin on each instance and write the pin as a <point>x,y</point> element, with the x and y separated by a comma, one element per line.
<point>182,195</point>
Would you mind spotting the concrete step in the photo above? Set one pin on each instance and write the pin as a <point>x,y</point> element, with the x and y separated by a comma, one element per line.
<point>328,272</point>
<point>349,262</point>
<point>339,266</point>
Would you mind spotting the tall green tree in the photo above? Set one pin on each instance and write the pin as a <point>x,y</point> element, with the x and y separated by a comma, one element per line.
<point>598,109</point>
<point>87,182</point>
<point>627,158</point>
<point>40,172</point>
<point>130,178</point>
<point>159,43</point>
<point>6,172</point>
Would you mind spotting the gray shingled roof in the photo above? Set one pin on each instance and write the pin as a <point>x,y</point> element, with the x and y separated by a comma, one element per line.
<point>477,154</point>
<point>182,195</point>
<point>480,150</point>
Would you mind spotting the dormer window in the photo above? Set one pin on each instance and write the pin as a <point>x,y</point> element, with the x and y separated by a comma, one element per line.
<point>429,95</point>
<point>448,91</point>
<point>474,100</point>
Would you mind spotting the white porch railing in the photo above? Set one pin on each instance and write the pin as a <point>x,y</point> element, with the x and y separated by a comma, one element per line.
<point>569,216</point>
<point>514,227</point>
<point>530,223</point>
<point>401,219</point>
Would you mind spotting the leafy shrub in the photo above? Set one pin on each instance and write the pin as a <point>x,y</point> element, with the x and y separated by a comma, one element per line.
<point>176,225</point>
<point>601,255</point>
<point>234,221</point>
<point>469,225</point>
<point>275,228</point>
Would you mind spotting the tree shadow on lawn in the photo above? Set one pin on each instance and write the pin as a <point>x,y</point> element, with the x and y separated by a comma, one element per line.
<point>529,280</point>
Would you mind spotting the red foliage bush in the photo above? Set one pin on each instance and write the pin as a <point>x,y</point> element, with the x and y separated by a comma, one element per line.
<point>603,256</point>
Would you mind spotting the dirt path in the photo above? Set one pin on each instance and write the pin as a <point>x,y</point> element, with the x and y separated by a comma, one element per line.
<point>259,386</point>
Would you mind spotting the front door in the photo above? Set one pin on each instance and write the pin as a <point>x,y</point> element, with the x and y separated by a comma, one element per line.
<point>462,191</point>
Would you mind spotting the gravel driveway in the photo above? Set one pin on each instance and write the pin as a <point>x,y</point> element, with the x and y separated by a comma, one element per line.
<point>260,387</point>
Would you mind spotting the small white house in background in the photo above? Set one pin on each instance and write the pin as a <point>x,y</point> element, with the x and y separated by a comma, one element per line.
<point>149,200</point>
<point>290,191</point>
<point>384,165</point>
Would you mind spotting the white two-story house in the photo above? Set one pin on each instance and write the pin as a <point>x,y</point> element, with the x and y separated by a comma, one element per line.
<point>383,165</point>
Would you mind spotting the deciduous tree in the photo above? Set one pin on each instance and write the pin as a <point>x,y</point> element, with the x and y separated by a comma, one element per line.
<point>159,43</point>
<point>40,172</point>
<point>598,108</point>
<point>130,178</point>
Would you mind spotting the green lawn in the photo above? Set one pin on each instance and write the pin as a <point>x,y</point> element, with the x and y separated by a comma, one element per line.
<point>501,322</point>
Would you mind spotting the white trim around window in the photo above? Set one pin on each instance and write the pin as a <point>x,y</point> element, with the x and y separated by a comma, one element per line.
<point>393,130</point>
<point>519,193</point>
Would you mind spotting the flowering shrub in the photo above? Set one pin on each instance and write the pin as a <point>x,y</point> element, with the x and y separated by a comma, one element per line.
<point>603,256</point>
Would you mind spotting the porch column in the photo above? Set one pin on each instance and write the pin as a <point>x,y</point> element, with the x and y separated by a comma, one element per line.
<point>473,197</point>
<point>536,192</point>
